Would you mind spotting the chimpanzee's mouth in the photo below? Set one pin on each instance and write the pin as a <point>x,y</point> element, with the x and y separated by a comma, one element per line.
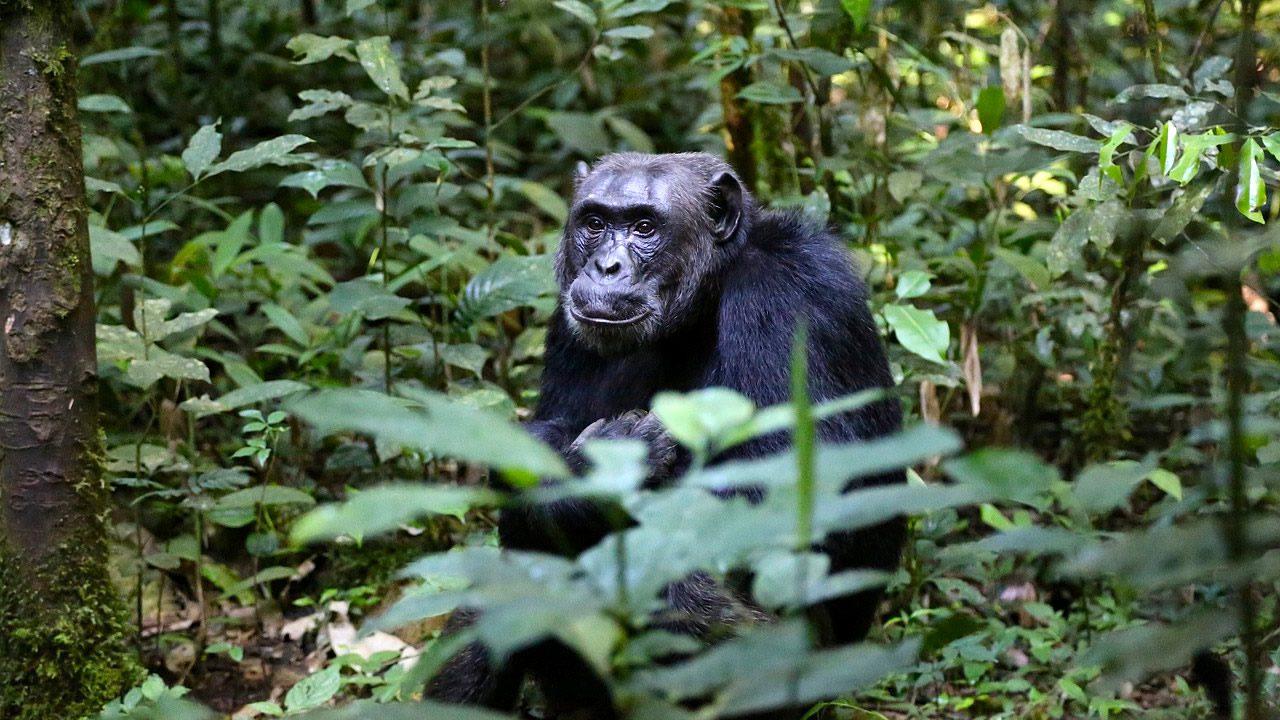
<point>606,321</point>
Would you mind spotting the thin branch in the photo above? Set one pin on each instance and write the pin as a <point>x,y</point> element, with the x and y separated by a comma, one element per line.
<point>1153,37</point>
<point>1195,50</point>
<point>1235,531</point>
<point>586,58</point>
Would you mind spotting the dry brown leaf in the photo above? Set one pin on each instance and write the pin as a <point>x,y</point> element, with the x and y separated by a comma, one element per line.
<point>929,408</point>
<point>1256,302</point>
<point>971,367</point>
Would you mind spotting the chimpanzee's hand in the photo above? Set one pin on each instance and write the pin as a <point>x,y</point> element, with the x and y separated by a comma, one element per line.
<point>633,425</point>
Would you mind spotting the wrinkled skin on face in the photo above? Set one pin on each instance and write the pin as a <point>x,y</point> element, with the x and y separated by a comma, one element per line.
<point>643,235</point>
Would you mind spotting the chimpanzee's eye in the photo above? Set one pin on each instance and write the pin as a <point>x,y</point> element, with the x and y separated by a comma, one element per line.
<point>644,228</point>
<point>594,224</point>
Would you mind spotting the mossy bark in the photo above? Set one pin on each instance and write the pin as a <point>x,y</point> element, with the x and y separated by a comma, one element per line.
<point>62,647</point>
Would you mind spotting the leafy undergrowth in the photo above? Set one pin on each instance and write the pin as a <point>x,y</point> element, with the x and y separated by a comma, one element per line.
<point>323,237</point>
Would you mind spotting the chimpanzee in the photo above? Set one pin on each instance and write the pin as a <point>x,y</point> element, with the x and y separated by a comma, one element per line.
<point>672,279</point>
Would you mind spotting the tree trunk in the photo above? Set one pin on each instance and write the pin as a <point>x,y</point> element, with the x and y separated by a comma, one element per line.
<point>737,118</point>
<point>62,649</point>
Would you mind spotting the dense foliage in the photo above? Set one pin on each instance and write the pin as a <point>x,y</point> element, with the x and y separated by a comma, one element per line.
<point>321,233</point>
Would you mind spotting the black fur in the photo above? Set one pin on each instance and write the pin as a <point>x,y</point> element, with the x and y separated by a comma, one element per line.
<point>724,285</point>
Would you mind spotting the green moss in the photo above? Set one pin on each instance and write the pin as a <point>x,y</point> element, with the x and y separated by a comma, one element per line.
<point>54,64</point>
<point>7,6</point>
<point>63,652</point>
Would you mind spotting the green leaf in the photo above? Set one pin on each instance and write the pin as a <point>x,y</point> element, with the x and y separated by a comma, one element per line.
<point>228,243</point>
<point>1272,144</point>
<point>314,690</point>
<point>183,323</point>
<point>824,62</point>
<point>327,173</point>
<point>314,48</point>
<point>630,133</point>
<point>1068,242</point>
<point>110,248</point>
<point>265,495</point>
<point>859,12</point>
<point>1167,149</point>
<point>1059,140</point>
<point>902,183</point>
<point>355,6</point>
<point>1102,488</point>
<point>1139,92</point>
<point>1135,653</point>
<point>421,710</point>
<point>1003,474</point>
<point>512,281</point>
<point>1028,267</point>
<point>630,32</point>
<point>144,373</point>
<point>266,707</point>
<point>149,317</point>
<point>366,297</point>
<point>204,148</point>
<point>772,668</point>
<point>285,322</point>
<point>248,395</point>
<point>770,93</point>
<point>467,356</point>
<point>578,9</point>
<point>381,66</point>
<point>1105,221</point>
<point>638,7</point>
<point>1251,192</point>
<point>919,331</point>
<point>437,424</point>
<point>103,104</point>
<point>276,151</point>
<point>582,132</point>
<point>1187,166</point>
<point>378,510</point>
<point>1184,209</point>
<point>271,224</point>
<point>319,103</point>
<point>991,108</point>
<point>119,55</point>
<point>912,284</point>
<point>1106,154</point>
<point>695,419</point>
<point>1167,482</point>
<point>546,200</point>
<point>93,184</point>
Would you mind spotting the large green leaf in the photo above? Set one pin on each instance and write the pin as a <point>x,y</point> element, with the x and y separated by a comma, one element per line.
<point>1251,191</point>
<point>434,423</point>
<point>314,48</point>
<point>381,66</point>
<point>512,281</point>
<point>1059,140</point>
<point>770,93</point>
<point>276,151</point>
<point>578,9</point>
<point>381,509</point>
<point>919,331</point>
<point>204,148</point>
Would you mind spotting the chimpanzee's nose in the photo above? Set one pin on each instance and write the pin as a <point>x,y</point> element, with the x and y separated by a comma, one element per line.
<point>608,266</point>
<point>611,264</point>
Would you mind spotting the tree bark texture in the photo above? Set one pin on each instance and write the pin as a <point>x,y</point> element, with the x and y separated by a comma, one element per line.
<point>62,651</point>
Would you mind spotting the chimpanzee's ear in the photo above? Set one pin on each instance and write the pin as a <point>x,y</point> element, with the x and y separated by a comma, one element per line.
<point>726,205</point>
<point>580,172</point>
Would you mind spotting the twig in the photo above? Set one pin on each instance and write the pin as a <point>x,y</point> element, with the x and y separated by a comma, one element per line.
<point>1153,37</point>
<point>1234,529</point>
<point>1195,49</point>
<point>586,58</point>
